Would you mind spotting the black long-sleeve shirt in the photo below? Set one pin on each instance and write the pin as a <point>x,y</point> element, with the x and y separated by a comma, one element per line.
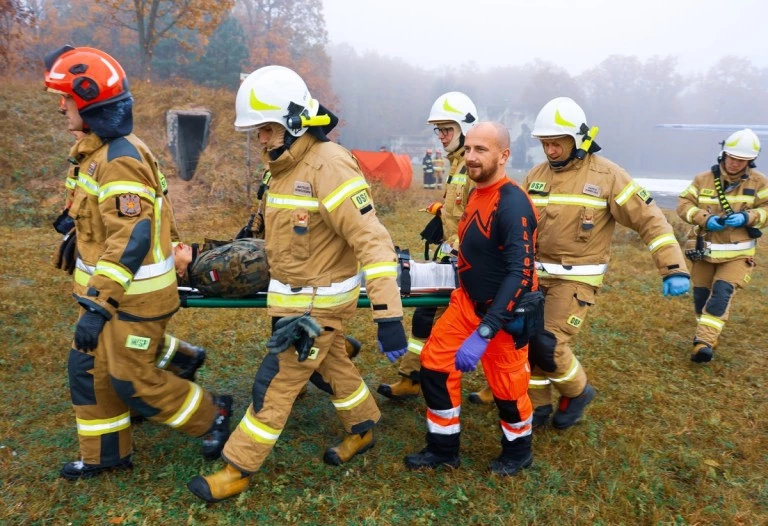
<point>496,255</point>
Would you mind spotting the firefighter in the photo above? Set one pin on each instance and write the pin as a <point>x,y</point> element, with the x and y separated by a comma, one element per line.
<point>322,238</point>
<point>428,169</point>
<point>453,114</point>
<point>124,278</point>
<point>728,205</point>
<point>580,197</point>
<point>496,270</point>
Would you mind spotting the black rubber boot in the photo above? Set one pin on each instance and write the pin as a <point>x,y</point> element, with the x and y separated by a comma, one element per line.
<point>541,415</point>
<point>428,458</point>
<point>570,410</point>
<point>214,440</point>
<point>79,470</point>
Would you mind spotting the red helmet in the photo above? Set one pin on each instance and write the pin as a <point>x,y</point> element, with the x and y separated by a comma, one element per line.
<point>90,76</point>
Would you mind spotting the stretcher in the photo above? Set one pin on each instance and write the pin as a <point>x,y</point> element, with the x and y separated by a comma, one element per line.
<point>259,301</point>
<point>422,284</point>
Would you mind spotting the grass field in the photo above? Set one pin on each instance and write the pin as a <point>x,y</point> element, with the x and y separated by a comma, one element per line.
<point>666,441</point>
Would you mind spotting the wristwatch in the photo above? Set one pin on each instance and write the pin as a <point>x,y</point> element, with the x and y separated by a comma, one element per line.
<point>485,331</point>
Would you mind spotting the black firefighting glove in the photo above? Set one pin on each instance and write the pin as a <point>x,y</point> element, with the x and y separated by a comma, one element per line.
<point>297,331</point>
<point>88,329</point>
<point>391,339</point>
<point>64,223</point>
<point>254,227</point>
<point>66,254</point>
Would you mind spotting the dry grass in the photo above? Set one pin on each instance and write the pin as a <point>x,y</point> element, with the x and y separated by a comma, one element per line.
<point>665,442</point>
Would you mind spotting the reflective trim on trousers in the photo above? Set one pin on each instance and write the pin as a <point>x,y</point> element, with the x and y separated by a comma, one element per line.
<point>103,426</point>
<point>187,409</point>
<point>353,400</point>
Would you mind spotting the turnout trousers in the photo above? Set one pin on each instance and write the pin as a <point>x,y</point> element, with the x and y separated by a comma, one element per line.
<point>279,380</point>
<point>119,376</point>
<point>565,311</point>
<point>506,369</point>
<point>714,285</point>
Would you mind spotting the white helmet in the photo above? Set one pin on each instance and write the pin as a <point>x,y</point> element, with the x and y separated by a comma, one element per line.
<point>273,94</point>
<point>560,116</point>
<point>742,144</point>
<point>454,106</point>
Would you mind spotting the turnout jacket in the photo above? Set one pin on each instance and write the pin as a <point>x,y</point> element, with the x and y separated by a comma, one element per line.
<point>578,208</point>
<point>747,192</point>
<point>320,222</point>
<point>457,188</point>
<point>123,227</point>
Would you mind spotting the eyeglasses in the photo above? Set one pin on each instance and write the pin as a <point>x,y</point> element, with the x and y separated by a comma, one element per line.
<point>443,130</point>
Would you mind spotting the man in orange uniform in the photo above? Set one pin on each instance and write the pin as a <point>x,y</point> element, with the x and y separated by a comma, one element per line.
<point>497,236</point>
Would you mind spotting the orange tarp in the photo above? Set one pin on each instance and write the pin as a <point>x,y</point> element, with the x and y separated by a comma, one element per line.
<point>393,170</point>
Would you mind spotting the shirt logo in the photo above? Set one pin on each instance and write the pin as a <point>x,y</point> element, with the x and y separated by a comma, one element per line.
<point>574,321</point>
<point>591,189</point>
<point>361,199</point>
<point>302,188</point>
<point>537,186</point>
<point>129,205</point>
<point>708,192</point>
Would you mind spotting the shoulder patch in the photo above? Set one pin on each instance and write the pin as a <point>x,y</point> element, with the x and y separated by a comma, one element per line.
<point>92,168</point>
<point>122,147</point>
<point>129,205</point>
<point>709,192</point>
<point>645,195</point>
<point>362,200</point>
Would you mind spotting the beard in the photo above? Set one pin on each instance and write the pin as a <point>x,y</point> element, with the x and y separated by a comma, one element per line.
<point>482,173</point>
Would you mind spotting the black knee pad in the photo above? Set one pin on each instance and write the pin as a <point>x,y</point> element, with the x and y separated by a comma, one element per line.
<point>721,297</point>
<point>541,351</point>
<point>127,393</point>
<point>434,385</point>
<point>421,324</point>
<point>267,371</point>
<point>319,382</point>
<point>80,380</point>
<point>508,411</point>
<point>700,295</point>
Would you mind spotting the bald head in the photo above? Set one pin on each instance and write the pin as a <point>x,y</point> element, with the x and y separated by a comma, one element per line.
<point>486,152</point>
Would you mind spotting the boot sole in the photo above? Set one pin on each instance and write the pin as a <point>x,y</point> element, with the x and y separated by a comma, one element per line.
<point>387,392</point>
<point>504,473</point>
<point>449,465</point>
<point>94,472</point>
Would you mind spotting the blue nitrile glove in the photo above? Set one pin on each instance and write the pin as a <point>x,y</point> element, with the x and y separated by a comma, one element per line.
<point>391,339</point>
<point>470,352</point>
<point>714,225</point>
<point>676,285</point>
<point>737,220</point>
<point>88,329</point>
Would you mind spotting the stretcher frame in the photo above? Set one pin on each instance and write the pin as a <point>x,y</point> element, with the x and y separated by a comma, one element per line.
<point>192,299</point>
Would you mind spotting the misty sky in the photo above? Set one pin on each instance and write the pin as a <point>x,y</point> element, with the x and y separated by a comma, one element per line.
<point>575,35</point>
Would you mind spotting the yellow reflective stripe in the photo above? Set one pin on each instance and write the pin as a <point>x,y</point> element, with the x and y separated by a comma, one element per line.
<point>539,201</point>
<point>625,194</point>
<point>258,431</point>
<point>353,400</point>
<point>275,299</point>
<point>415,346</point>
<point>292,202</point>
<point>661,241</point>
<point>711,321</point>
<point>762,217</point>
<point>762,194</point>
<point>575,365</point>
<point>137,287</point>
<point>704,200</point>
<point>158,212</point>
<point>126,187</point>
<point>114,272</point>
<point>590,280</point>
<point>691,212</point>
<point>725,254</point>
<point>347,189</point>
<point>170,346</point>
<point>70,183</point>
<point>690,190</point>
<point>578,200</point>
<point>190,405</point>
<point>88,184</point>
<point>102,426</point>
<point>378,270</point>
<point>539,382</point>
<point>458,179</point>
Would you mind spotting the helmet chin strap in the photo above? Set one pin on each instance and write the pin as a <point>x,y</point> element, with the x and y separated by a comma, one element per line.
<point>563,163</point>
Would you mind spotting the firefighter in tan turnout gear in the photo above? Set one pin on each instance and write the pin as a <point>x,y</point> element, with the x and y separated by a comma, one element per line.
<point>728,205</point>
<point>322,239</point>
<point>580,197</point>
<point>453,114</point>
<point>124,277</point>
